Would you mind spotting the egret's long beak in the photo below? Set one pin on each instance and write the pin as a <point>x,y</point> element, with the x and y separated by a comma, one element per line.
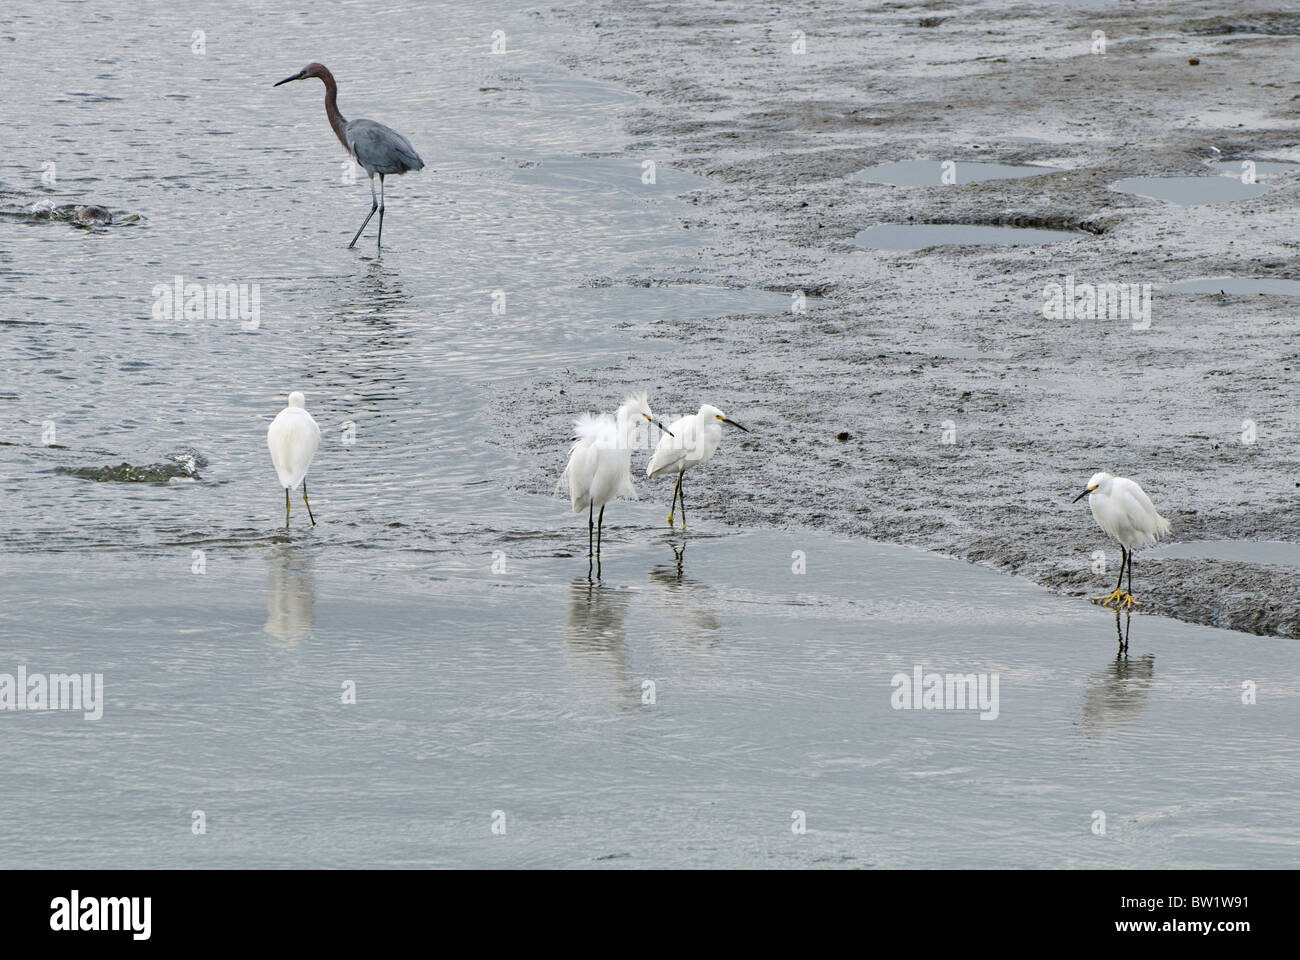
<point>658,424</point>
<point>734,424</point>
<point>1082,495</point>
<point>296,76</point>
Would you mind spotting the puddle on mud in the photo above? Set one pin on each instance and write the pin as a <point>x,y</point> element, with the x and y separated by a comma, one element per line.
<point>1271,286</point>
<point>1274,552</point>
<point>920,236</point>
<point>930,173</point>
<point>1190,191</point>
<point>1262,168</point>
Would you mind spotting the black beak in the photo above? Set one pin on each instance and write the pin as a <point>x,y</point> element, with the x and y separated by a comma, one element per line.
<point>735,424</point>
<point>657,424</point>
<point>296,76</point>
<point>1081,496</point>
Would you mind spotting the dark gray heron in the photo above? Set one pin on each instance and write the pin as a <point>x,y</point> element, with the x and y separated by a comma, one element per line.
<point>379,149</point>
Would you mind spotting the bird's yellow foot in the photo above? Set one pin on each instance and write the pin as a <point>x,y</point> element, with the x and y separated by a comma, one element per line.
<point>670,519</point>
<point>1128,602</point>
<point>1116,597</point>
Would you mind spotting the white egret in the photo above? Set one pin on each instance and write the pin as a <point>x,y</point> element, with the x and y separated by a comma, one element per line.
<point>692,440</point>
<point>600,460</point>
<point>293,438</point>
<point>1123,510</point>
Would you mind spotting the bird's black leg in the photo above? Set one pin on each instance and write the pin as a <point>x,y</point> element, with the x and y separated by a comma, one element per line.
<point>1130,573</point>
<point>379,240</point>
<point>286,508</point>
<point>308,502</point>
<point>1122,563</point>
<point>681,498</point>
<point>374,205</point>
<point>590,527</point>
<point>600,522</point>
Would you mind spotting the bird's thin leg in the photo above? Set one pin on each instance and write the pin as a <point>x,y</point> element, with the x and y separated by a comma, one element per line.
<point>600,522</point>
<point>590,525</point>
<point>1129,602</point>
<point>374,205</point>
<point>1118,593</point>
<point>308,502</point>
<point>681,498</point>
<point>677,488</point>
<point>286,508</point>
<point>379,240</point>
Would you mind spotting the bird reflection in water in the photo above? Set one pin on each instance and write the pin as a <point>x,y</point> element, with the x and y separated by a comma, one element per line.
<point>1117,694</point>
<point>595,638</point>
<point>290,596</point>
<point>679,597</point>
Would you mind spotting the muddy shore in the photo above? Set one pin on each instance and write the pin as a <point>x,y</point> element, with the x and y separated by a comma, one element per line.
<point>848,402</point>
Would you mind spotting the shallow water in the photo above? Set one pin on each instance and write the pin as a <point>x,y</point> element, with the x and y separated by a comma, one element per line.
<point>934,173</point>
<point>1190,191</point>
<point>491,674</point>
<point>1261,168</point>
<point>1268,286</point>
<point>920,236</point>
<point>525,692</point>
<point>1235,551</point>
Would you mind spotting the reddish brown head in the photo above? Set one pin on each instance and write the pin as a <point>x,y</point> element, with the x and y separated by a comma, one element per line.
<point>336,120</point>
<point>311,70</point>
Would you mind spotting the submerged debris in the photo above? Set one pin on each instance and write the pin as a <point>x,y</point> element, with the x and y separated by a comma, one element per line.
<point>179,468</point>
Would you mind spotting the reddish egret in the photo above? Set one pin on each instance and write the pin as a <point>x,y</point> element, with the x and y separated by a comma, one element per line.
<point>379,149</point>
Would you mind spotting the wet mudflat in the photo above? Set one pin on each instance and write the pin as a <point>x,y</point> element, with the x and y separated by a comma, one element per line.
<point>928,400</point>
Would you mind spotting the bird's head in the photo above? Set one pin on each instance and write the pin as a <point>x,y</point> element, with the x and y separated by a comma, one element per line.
<point>296,399</point>
<point>637,406</point>
<point>709,412</point>
<point>311,70</point>
<point>1099,482</point>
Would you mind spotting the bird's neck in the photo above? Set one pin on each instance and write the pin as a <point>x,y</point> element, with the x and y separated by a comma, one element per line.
<point>332,109</point>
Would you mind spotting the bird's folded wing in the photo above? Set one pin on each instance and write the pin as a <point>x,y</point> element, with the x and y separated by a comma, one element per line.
<point>373,143</point>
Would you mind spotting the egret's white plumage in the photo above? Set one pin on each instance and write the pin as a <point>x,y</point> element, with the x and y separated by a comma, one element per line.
<point>1124,511</point>
<point>600,461</point>
<point>690,441</point>
<point>293,438</point>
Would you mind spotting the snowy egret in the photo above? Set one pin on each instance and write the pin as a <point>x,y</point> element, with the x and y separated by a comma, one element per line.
<point>692,440</point>
<point>379,149</point>
<point>293,438</point>
<point>1123,510</point>
<point>600,460</point>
